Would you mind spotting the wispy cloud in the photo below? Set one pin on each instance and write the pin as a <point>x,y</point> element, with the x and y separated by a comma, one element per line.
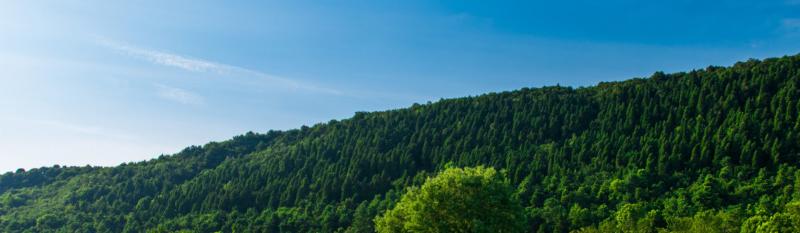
<point>81,129</point>
<point>200,65</point>
<point>791,26</point>
<point>190,64</point>
<point>178,95</point>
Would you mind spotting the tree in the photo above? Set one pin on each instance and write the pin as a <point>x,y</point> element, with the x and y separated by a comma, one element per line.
<point>457,200</point>
<point>712,150</point>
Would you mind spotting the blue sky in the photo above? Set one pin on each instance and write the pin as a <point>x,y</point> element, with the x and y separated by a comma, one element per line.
<point>106,82</point>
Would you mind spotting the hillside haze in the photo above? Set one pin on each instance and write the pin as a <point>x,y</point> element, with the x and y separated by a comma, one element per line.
<point>714,149</point>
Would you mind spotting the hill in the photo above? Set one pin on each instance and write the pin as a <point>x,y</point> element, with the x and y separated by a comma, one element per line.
<point>711,150</point>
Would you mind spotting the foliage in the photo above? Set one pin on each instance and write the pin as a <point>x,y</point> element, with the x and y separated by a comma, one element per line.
<point>712,150</point>
<point>457,200</point>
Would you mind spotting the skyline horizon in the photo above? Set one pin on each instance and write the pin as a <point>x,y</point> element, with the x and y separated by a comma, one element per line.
<point>105,83</point>
<point>154,157</point>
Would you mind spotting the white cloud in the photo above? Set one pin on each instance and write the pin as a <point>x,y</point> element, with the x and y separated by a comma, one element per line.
<point>178,95</point>
<point>167,59</point>
<point>791,26</point>
<point>59,126</point>
<point>200,65</point>
<point>174,60</point>
<point>30,142</point>
<point>791,23</point>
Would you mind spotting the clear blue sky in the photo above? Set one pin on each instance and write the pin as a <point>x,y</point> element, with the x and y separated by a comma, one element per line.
<point>105,82</point>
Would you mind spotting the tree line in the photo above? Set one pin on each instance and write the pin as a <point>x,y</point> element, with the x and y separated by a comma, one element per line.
<point>711,150</point>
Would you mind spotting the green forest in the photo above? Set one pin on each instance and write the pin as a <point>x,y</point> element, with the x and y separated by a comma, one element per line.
<point>710,150</point>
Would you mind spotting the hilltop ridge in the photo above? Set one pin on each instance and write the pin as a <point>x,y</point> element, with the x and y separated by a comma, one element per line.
<point>719,145</point>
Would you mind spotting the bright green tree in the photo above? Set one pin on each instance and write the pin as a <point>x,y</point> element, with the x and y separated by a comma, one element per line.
<point>457,200</point>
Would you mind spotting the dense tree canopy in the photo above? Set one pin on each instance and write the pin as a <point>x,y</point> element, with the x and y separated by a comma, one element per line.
<point>711,150</point>
<point>457,200</point>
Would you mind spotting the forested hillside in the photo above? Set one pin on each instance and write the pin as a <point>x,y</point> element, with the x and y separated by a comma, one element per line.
<point>712,150</point>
